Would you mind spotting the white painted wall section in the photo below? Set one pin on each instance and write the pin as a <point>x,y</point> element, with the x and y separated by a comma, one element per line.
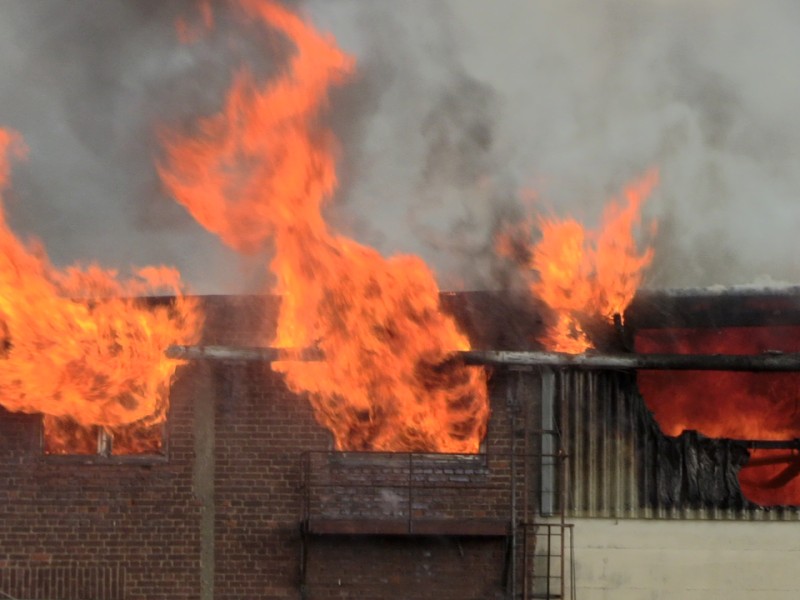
<point>686,560</point>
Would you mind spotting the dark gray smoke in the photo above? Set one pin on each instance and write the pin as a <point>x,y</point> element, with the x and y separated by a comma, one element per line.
<point>567,102</point>
<point>460,108</point>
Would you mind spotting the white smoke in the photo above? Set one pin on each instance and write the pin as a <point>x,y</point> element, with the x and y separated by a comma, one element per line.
<point>459,106</point>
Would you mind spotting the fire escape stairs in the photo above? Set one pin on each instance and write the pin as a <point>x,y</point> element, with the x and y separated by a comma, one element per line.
<point>545,535</point>
<point>549,576</point>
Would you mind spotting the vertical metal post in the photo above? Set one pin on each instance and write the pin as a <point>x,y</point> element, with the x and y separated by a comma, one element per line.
<point>512,403</point>
<point>563,477</point>
<point>549,458</point>
<point>410,483</point>
<point>549,559</point>
<point>563,559</point>
<point>526,406</point>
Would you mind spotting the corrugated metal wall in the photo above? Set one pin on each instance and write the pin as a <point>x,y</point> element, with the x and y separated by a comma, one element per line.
<point>620,465</point>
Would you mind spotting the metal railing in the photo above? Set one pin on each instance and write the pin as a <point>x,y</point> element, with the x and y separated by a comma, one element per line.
<point>517,496</point>
<point>406,487</point>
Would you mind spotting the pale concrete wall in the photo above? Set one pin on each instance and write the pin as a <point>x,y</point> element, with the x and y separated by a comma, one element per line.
<point>686,560</point>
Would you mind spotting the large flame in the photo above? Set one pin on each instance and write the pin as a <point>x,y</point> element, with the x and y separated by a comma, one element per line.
<point>738,405</point>
<point>260,171</point>
<point>77,347</point>
<point>582,275</point>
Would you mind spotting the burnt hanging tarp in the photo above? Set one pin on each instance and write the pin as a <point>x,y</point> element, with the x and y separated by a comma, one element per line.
<point>622,465</point>
<point>693,471</point>
<point>690,470</point>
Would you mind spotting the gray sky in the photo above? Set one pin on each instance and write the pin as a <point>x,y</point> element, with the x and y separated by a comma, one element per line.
<point>460,109</point>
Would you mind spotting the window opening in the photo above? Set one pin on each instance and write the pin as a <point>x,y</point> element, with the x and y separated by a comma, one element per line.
<point>63,436</point>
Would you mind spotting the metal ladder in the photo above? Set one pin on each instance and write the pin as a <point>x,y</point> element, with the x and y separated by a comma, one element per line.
<point>548,540</point>
<point>550,573</point>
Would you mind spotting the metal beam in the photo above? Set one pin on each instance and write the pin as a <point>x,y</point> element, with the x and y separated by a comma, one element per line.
<point>242,353</point>
<point>506,358</point>
<point>629,362</point>
<point>771,445</point>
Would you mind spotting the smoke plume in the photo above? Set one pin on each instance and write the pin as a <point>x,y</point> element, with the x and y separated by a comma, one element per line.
<point>462,112</point>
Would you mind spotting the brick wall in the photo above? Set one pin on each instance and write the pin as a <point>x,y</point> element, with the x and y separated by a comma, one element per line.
<point>72,530</point>
<point>219,516</point>
<point>262,433</point>
<point>407,568</point>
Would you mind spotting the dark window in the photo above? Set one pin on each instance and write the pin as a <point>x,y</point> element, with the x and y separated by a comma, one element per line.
<point>63,436</point>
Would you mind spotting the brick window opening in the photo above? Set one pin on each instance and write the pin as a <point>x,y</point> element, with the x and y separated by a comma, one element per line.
<point>63,436</point>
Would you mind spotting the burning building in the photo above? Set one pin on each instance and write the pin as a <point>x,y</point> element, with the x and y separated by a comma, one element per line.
<point>249,496</point>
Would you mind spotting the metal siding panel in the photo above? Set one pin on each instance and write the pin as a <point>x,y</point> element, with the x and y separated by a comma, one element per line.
<point>613,468</point>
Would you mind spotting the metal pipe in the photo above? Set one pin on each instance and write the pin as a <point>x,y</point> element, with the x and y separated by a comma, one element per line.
<point>242,353</point>
<point>668,362</point>
<point>589,360</point>
<point>777,459</point>
<point>770,444</point>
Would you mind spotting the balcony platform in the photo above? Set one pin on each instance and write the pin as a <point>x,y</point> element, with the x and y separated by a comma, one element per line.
<point>405,527</point>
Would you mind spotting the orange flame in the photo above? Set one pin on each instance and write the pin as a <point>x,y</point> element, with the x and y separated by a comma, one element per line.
<point>77,347</point>
<point>260,171</point>
<point>738,405</point>
<point>726,404</point>
<point>583,275</point>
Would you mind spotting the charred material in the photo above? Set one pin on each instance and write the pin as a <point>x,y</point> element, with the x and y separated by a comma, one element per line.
<point>709,308</point>
<point>693,471</point>
<point>622,464</point>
